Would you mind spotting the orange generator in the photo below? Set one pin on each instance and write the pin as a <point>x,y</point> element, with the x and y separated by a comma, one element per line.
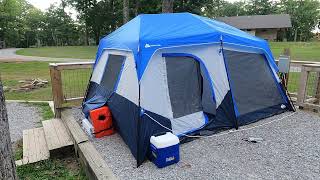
<point>102,122</point>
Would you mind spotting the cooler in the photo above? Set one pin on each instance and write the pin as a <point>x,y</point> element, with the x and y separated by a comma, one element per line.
<point>164,149</point>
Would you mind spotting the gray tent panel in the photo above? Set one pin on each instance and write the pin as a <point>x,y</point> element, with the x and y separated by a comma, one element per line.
<point>252,83</point>
<point>208,102</point>
<point>184,83</point>
<point>112,71</point>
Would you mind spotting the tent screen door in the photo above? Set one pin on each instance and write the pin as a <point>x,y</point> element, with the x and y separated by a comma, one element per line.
<point>184,84</point>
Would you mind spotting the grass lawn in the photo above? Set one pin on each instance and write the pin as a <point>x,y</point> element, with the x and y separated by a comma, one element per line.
<point>78,52</point>
<point>52,169</point>
<point>74,82</point>
<point>12,72</point>
<point>301,51</point>
<point>305,51</point>
<point>44,110</point>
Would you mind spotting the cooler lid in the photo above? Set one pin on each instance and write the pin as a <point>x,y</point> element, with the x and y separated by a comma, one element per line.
<point>164,140</point>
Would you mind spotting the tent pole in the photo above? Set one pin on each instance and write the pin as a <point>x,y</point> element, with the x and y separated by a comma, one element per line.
<point>225,64</point>
<point>139,119</point>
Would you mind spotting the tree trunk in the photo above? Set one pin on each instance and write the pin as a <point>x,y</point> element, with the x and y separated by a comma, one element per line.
<point>136,8</point>
<point>7,163</point>
<point>87,35</point>
<point>125,11</point>
<point>167,6</point>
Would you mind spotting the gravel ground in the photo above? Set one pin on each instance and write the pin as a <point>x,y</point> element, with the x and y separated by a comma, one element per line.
<point>290,150</point>
<point>21,116</point>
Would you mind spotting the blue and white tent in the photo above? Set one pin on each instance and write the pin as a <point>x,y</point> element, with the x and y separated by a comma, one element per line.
<point>185,73</point>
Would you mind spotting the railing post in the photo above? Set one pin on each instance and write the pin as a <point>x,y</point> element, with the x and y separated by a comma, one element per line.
<point>286,51</point>
<point>317,87</point>
<point>302,86</point>
<point>57,93</point>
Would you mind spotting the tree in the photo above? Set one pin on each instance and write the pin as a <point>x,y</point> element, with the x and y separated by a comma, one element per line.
<point>125,11</point>
<point>260,7</point>
<point>305,17</point>
<point>192,6</point>
<point>59,29</point>
<point>7,163</point>
<point>220,8</point>
<point>99,17</point>
<point>167,6</point>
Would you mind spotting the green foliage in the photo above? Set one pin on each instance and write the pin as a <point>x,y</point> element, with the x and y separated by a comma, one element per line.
<point>22,25</point>
<point>45,110</point>
<point>13,27</point>
<point>192,6</point>
<point>59,28</point>
<point>305,15</point>
<point>260,7</point>
<point>18,149</point>
<point>51,169</point>
<point>99,17</point>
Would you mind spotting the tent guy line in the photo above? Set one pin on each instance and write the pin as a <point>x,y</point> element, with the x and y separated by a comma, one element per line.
<point>225,133</point>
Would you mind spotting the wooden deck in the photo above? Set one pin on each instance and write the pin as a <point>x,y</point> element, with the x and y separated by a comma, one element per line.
<point>34,146</point>
<point>91,160</point>
<point>51,140</point>
<point>56,135</point>
<point>59,134</point>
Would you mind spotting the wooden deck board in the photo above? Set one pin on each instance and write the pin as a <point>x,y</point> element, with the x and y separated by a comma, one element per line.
<point>92,161</point>
<point>64,137</point>
<point>56,136</point>
<point>50,134</point>
<point>74,128</point>
<point>34,146</point>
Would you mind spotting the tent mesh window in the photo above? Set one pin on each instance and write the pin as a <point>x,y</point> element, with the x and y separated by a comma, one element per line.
<point>184,84</point>
<point>252,82</point>
<point>112,71</point>
<point>90,90</point>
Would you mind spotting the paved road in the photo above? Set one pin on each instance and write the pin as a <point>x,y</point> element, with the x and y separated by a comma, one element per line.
<point>9,55</point>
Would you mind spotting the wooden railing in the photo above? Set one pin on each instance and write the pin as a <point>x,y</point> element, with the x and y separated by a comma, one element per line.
<point>304,100</point>
<point>58,94</point>
<point>299,80</point>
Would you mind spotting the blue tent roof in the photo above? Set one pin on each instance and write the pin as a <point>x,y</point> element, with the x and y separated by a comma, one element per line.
<point>146,33</point>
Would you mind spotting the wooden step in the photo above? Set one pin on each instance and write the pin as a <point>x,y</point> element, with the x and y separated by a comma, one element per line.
<point>34,146</point>
<point>57,137</point>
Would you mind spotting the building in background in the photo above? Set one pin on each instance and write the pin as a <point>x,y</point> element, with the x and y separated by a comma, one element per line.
<point>268,27</point>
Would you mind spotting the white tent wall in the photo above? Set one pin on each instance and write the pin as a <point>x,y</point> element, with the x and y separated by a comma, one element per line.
<point>154,86</point>
<point>128,83</point>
